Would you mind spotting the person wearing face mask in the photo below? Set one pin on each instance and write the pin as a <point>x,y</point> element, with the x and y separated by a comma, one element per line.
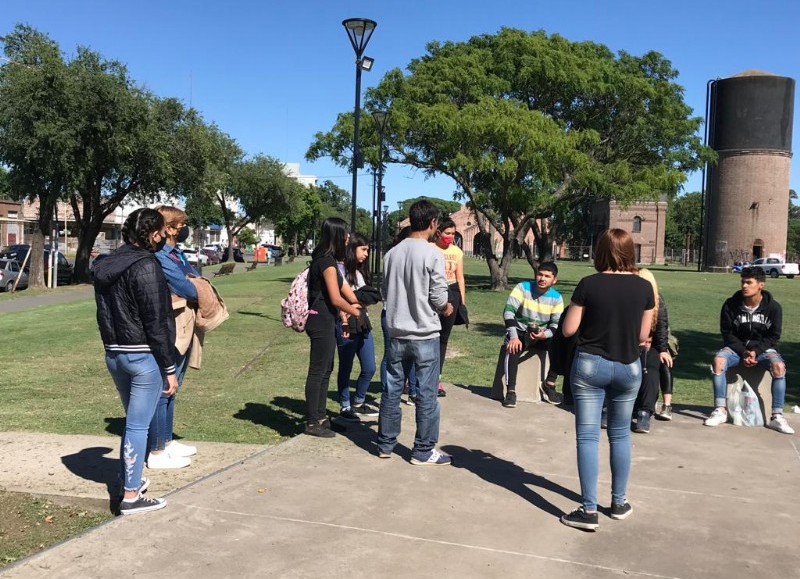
<point>164,451</point>
<point>134,315</point>
<point>456,290</point>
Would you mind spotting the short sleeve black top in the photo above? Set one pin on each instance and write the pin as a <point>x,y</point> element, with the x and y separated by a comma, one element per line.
<point>318,298</point>
<point>613,305</point>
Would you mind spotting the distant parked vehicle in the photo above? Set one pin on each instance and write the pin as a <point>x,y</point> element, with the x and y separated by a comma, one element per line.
<point>63,267</point>
<point>774,266</point>
<point>275,251</point>
<point>195,257</point>
<point>237,254</point>
<point>212,255</point>
<point>737,267</point>
<point>10,270</point>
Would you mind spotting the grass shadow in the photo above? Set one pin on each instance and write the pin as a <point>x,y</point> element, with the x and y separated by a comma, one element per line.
<point>115,425</point>
<point>510,476</point>
<point>92,464</point>
<point>277,419</point>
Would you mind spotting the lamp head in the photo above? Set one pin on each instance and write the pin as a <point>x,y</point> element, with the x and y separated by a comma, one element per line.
<point>359,30</point>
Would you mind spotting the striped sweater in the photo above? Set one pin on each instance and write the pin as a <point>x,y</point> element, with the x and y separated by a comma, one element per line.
<point>527,307</point>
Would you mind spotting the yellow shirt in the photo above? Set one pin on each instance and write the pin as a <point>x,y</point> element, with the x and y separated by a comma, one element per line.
<point>452,257</point>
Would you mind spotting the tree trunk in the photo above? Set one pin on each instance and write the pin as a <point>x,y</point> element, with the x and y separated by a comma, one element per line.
<point>86,238</point>
<point>36,261</point>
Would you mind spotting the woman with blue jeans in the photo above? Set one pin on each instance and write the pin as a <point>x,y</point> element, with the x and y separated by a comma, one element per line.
<point>165,452</point>
<point>358,341</point>
<point>134,314</point>
<point>613,310</point>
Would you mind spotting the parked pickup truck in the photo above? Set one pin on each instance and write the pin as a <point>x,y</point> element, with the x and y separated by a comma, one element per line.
<point>776,267</point>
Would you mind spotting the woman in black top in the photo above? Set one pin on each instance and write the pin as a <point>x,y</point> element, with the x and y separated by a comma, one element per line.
<point>325,298</point>
<point>613,310</point>
<point>134,313</point>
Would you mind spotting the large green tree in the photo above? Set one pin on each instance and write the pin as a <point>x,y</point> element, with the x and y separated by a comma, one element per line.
<point>526,122</point>
<point>683,228</point>
<point>36,136</point>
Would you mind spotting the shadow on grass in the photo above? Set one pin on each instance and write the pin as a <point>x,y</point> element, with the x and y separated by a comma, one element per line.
<point>277,419</point>
<point>91,464</point>
<point>510,476</point>
<point>115,425</point>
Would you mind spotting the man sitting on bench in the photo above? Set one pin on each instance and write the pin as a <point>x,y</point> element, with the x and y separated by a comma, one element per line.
<point>531,316</point>
<point>750,323</point>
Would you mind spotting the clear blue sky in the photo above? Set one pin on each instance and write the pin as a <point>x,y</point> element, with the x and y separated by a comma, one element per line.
<point>272,73</point>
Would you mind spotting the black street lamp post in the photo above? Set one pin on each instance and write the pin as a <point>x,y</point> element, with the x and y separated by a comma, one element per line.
<point>359,30</point>
<point>381,118</point>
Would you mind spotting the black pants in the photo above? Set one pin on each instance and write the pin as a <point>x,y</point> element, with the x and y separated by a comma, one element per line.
<point>453,297</point>
<point>511,361</point>
<point>648,391</point>
<point>321,329</point>
<point>665,378</point>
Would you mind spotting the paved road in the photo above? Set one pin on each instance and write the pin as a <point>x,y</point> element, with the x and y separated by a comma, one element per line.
<point>58,296</point>
<point>708,502</point>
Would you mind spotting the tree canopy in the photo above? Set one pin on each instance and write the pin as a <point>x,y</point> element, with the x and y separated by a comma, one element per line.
<point>527,122</point>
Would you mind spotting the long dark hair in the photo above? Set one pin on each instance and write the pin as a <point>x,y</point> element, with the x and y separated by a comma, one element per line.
<point>140,225</point>
<point>332,239</point>
<point>351,265</point>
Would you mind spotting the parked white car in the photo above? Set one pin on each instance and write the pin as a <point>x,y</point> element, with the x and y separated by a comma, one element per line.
<point>196,258</point>
<point>776,267</point>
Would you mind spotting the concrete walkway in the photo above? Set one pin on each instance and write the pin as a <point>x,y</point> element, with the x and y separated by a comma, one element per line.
<point>708,502</point>
<point>57,296</point>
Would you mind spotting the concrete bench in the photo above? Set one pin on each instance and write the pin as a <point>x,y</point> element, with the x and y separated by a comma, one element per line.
<point>760,380</point>
<point>531,372</point>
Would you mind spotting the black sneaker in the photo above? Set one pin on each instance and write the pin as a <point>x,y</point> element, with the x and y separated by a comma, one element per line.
<point>141,505</point>
<point>665,413</point>
<point>411,400</point>
<point>622,511</point>
<point>550,395</point>
<point>365,410</point>
<point>441,393</point>
<point>510,400</point>
<point>319,431</point>
<point>347,415</point>
<point>580,519</point>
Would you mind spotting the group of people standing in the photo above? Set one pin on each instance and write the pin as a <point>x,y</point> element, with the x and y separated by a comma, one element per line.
<point>340,291</point>
<point>146,294</point>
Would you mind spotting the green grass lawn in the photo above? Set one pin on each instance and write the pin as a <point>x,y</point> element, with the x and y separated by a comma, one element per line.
<point>251,386</point>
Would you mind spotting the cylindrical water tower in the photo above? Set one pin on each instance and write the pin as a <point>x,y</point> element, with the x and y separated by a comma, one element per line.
<point>747,190</point>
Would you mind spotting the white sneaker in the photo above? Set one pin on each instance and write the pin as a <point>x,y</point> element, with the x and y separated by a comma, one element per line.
<point>779,423</point>
<point>167,460</point>
<point>176,448</point>
<point>719,416</point>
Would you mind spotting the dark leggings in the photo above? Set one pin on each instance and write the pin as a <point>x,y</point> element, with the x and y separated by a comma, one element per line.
<point>648,391</point>
<point>665,378</point>
<point>321,330</point>
<point>453,297</point>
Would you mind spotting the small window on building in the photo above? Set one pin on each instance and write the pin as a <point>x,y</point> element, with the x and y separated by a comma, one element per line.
<point>637,224</point>
<point>12,214</point>
<point>637,248</point>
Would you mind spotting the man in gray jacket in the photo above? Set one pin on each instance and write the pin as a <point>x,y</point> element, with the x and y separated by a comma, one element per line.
<point>415,293</point>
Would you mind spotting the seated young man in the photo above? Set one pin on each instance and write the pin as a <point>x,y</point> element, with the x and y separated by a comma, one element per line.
<point>750,323</point>
<point>531,316</point>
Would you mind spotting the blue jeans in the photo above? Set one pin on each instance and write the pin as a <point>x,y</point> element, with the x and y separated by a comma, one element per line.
<point>593,379</point>
<point>765,360</point>
<point>139,381</point>
<point>423,355</point>
<point>160,432</point>
<point>412,374</point>
<point>363,346</point>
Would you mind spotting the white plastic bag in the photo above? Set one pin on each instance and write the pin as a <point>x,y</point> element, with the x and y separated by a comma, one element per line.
<point>743,406</point>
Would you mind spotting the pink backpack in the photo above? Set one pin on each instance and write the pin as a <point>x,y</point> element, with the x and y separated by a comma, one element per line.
<point>294,307</point>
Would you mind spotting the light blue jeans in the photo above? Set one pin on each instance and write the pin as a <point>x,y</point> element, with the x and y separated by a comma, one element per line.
<point>594,379</point>
<point>139,381</point>
<point>363,346</point>
<point>765,360</point>
<point>423,356</point>
<point>160,432</point>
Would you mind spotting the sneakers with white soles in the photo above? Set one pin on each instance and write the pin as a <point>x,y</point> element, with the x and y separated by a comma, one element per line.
<point>176,448</point>
<point>433,457</point>
<point>719,416</point>
<point>779,423</point>
<point>167,460</point>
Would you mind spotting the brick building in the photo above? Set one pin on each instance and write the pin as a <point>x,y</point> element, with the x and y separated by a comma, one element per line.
<point>645,221</point>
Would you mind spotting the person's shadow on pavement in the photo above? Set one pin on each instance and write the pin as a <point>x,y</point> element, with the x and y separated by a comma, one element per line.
<point>92,464</point>
<point>509,476</point>
<point>278,419</point>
